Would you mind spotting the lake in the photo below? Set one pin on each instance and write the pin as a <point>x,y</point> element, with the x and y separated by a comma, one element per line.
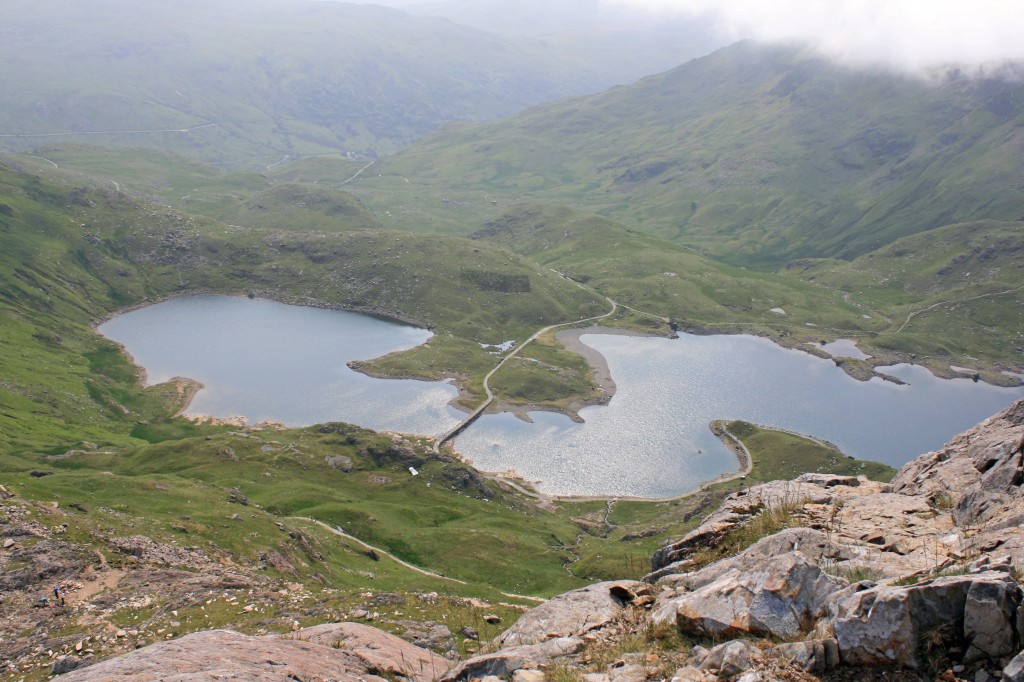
<point>269,361</point>
<point>652,440</point>
<point>265,360</point>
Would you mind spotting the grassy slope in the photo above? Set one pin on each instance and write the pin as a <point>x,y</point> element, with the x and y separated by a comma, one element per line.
<point>639,270</point>
<point>783,455</point>
<point>69,401</point>
<point>654,275</point>
<point>960,286</point>
<point>755,154</point>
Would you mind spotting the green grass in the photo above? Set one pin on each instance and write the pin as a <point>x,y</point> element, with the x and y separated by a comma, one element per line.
<point>780,455</point>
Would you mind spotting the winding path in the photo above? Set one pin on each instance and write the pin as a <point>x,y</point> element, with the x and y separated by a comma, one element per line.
<point>915,313</point>
<point>389,555</point>
<point>378,550</point>
<point>358,173</point>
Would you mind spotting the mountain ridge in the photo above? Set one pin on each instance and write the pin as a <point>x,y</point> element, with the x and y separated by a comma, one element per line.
<point>755,154</point>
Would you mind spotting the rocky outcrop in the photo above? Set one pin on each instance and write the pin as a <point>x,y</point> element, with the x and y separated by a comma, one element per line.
<point>737,510</point>
<point>573,614</point>
<point>782,598</point>
<point>504,662</point>
<point>896,626</point>
<point>959,511</point>
<point>979,476</point>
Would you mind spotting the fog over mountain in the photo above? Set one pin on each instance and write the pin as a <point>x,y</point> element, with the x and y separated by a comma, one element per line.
<point>245,83</point>
<point>642,42</point>
<point>909,35</point>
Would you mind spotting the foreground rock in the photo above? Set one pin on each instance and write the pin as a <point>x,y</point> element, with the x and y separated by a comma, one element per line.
<point>506,661</point>
<point>573,614</point>
<point>221,654</point>
<point>973,614</point>
<point>782,598</point>
<point>380,651</point>
<point>331,652</point>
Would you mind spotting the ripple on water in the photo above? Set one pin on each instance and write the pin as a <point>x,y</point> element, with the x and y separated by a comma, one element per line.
<point>652,439</point>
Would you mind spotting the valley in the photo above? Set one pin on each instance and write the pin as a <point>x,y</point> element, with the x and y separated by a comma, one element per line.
<point>496,188</point>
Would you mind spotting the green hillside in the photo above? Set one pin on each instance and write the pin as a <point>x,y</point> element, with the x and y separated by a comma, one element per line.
<point>73,254</point>
<point>953,295</point>
<point>755,155</point>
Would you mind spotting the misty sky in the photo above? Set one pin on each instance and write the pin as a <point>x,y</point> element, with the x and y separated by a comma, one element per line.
<point>908,34</point>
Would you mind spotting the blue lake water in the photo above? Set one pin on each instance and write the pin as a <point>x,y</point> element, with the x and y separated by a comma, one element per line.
<point>652,440</point>
<point>268,361</point>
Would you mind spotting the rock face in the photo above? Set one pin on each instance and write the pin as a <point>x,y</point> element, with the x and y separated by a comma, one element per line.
<point>979,475</point>
<point>886,625</point>
<point>781,598</point>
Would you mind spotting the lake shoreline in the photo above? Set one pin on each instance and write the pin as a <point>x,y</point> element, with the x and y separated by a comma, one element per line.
<point>600,374</point>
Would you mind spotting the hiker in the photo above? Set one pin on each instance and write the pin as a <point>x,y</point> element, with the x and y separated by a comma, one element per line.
<point>63,593</point>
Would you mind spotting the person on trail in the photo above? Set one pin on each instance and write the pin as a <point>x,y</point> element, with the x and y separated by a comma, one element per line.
<point>61,594</point>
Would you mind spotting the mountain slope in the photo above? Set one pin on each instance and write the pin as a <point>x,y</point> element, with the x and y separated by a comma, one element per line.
<point>755,154</point>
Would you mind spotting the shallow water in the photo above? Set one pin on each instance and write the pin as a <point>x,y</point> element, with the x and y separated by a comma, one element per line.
<point>269,361</point>
<point>844,348</point>
<point>652,440</point>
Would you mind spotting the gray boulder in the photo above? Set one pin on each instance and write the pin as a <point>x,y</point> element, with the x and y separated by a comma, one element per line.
<point>574,613</point>
<point>732,658</point>
<point>504,662</point>
<point>885,625</point>
<point>1015,671</point>
<point>782,598</point>
<point>814,656</point>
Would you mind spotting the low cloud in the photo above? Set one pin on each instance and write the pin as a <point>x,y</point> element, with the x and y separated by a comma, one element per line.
<point>911,35</point>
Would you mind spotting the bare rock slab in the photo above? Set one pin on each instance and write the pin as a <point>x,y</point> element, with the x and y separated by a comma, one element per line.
<point>379,650</point>
<point>224,654</point>
<point>574,613</point>
<point>504,662</point>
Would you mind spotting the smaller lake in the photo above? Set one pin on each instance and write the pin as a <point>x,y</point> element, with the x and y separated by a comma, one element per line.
<point>653,440</point>
<point>265,360</point>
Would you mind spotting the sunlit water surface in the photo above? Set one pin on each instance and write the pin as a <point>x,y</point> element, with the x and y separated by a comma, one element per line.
<point>269,361</point>
<point>652,440</point>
